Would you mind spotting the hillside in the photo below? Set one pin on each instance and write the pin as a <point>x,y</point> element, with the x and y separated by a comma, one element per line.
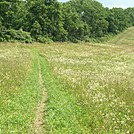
<point>125,38</point>
<point>67,88</point>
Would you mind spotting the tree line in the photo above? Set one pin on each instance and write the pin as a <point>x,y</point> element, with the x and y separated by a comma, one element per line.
<point>49,20</point>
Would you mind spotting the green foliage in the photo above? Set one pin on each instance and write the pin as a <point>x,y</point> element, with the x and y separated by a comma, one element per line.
<point>118,20</point>
<point>6,13</point>
<point>130,13</point>
<point>36,30</point>
<point>55,15</point>
<point>75,20</point>
<point>15,35</point>
<point>77,28</point>
<point>19,18</point>
<point>42,39</point>
<point>92,14</point>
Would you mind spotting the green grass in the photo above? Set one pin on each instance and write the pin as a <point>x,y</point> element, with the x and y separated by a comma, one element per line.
<point>19,88</point>
<point>124,38</point>
<point>63,112</point>
<point>99,96</point>
<point>90,87</point>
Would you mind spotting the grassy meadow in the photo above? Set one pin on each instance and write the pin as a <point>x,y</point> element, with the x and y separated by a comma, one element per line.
<point>125,38</point>
<point>88,87</point>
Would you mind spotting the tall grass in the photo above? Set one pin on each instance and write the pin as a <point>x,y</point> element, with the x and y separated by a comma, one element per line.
<point>90,87</point>
<point>124,38</point>
<point>19,88</point>
<point>97,89</point>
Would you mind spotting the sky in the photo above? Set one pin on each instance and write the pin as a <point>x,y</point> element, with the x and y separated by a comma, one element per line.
<point>113,3</point>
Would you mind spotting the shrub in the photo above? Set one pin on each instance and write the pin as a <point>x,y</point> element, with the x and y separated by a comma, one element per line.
<point>88,39</point>
<point>42,39</point>
<point>74,40</point>
<point>15,35</point>
<point>105,38</point>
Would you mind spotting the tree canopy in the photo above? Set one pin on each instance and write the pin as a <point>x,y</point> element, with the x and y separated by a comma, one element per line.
<point>76,20</point>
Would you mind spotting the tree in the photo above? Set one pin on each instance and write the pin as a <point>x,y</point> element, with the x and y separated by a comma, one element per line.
<point>6,13</point>
<point>76,20</point>
<point>36,30</point>
<point>129,12</point>
<point>118,20</point>
<point>77,29</point>
<point>91,13</point>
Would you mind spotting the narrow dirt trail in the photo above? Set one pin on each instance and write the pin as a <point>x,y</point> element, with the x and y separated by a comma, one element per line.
<point>38,124</point>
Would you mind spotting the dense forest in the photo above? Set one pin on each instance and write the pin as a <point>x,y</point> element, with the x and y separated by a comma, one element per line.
<point>49,20</point>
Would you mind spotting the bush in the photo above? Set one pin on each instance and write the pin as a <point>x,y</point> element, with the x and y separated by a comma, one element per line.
<point>74,40</point>
<point>15,35</point>
<point>88,39</point>
<point>105,38</point>
<point>42,39</point>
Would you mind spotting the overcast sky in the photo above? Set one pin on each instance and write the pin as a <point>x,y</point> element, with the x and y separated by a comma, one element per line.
<point>113,3</point>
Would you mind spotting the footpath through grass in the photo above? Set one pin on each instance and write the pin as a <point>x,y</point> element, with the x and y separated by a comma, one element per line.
<point>19,88</point>
<point>124,38</point>
<point>90,88</point>
<point>63,114</point>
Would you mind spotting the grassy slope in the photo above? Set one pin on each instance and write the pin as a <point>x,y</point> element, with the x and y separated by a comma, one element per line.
<point>125,38</point>
<point>19,88</point>
<point>90,87</point>
<point>100,81</point>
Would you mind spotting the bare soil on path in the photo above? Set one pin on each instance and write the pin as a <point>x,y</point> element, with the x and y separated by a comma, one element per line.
<point>38,124</point>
